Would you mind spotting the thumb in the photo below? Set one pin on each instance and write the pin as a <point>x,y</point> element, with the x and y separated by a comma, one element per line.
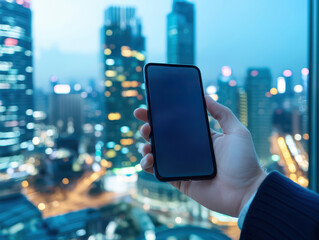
<point>225,117</point>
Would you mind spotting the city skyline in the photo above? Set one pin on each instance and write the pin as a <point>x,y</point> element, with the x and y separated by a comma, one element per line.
<point>78,173</point>
<point>255,44</point>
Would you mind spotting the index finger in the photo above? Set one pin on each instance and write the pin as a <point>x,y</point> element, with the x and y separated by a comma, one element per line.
<point>141,114</point>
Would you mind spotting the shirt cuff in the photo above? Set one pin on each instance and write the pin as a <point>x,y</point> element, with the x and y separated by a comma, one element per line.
<point>243,212</point>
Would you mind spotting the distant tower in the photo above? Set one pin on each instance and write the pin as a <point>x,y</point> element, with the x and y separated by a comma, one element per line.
<point>123,60</point>
<point>228,90</point>
<point>181,33</point>
<point>258,84</point>
<point>16,87</point>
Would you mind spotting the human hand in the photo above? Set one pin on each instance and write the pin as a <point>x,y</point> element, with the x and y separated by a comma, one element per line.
<point>238,171</point>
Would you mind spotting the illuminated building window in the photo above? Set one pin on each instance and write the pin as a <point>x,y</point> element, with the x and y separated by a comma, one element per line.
<point>128,84</point>
<point>127,141</point>
<point>129,93</point>
<point>109,62</point>
<point>29,92</point>
<point>65,181</point>
<point>126,51</point>
<point>232,83</point>
<point>28,69</point>
<point>28,53</point>
<point>274,91</point>
<point>125,129</point>
<point>110,73</point>
<point>24,183</point>
<point>140,57</point>
<point>107,94</point>
<point>268,94</point>
<point>114,116</point>
<point>109,32</point>
<point>107,51</point>
<point>10,42</point>
<point>117,147</point>
<point>108,83</point>
<point>133,159</point>
<point>111,154</point>
<point>121,78</point>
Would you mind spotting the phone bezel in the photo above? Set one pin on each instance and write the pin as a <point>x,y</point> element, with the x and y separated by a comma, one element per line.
<point>152,140</point>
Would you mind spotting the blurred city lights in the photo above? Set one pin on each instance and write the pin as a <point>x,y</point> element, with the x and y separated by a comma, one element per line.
<point>287,73</point>
<point>273,91</point>
<point>77,87</point>
<point>24,184</point>
<point>41,206</point>
<point>109,62</point>
<point>36,140</point>
<point>298,88</point>
<point>114,116</point>
<point>111,154</point>
<point>281,85</point>
<point>211,89</point>
<point>110,73</point>
<point>306,136</point>
<point>178,220</point>
<point>214,96</point>
<point>226,71</point>
<point>62,89</point>
<point>109,32</point>
<point>232,83</point>
<point>305,71</point>
<point>65,181</point>
<point>254,73</point>
<point>297,137</point>
<point>107,51</point>
<point>275,157</point>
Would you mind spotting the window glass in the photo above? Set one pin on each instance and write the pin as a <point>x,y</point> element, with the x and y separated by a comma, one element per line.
<point>71,74</point>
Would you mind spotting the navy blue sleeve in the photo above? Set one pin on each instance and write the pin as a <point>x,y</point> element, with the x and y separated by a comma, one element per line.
<point>282,210</point>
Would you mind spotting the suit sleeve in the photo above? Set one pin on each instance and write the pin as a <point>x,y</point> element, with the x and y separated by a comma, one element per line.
<point>282,209</point>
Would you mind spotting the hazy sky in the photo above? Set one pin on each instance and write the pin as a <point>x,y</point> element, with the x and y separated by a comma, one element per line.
<point>238,33</point>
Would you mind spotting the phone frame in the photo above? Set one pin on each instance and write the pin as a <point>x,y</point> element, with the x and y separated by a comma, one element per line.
<point>152,140</point>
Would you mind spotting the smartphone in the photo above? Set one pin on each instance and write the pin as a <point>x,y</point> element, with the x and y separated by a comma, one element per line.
<point>180,135</point>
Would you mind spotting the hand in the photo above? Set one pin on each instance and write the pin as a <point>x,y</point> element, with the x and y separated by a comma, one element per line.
<point>238,171</point>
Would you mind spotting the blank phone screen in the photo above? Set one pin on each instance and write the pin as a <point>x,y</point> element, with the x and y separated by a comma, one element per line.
<point>180,130</point>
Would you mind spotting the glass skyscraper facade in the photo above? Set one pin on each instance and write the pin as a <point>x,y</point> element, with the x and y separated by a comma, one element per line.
<point>228,90</point>
<point>123,60</point>
<point>181,33</point>
<point>258,85</point>
<point>16,88</point>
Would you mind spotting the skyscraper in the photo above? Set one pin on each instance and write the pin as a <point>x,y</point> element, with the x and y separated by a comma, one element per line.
<point>228,90</point>
<point>258,84</point>
<point>123,60</point>
<point>181,33</point>
<point>16,88</point>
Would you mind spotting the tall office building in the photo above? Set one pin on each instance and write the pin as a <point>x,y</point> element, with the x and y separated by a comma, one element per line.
<point>258,84</point>
<point>16,88</point>
<point>123,59</point>
<point>181,33</point>
<point>228,90</point>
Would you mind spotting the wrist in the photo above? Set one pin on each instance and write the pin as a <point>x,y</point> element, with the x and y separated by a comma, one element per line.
<point>252,188</point>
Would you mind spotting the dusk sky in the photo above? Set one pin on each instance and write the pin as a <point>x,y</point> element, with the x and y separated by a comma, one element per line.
<point>240,34</point>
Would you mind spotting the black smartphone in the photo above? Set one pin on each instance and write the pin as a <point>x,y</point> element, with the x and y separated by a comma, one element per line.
<point>180,135</point>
